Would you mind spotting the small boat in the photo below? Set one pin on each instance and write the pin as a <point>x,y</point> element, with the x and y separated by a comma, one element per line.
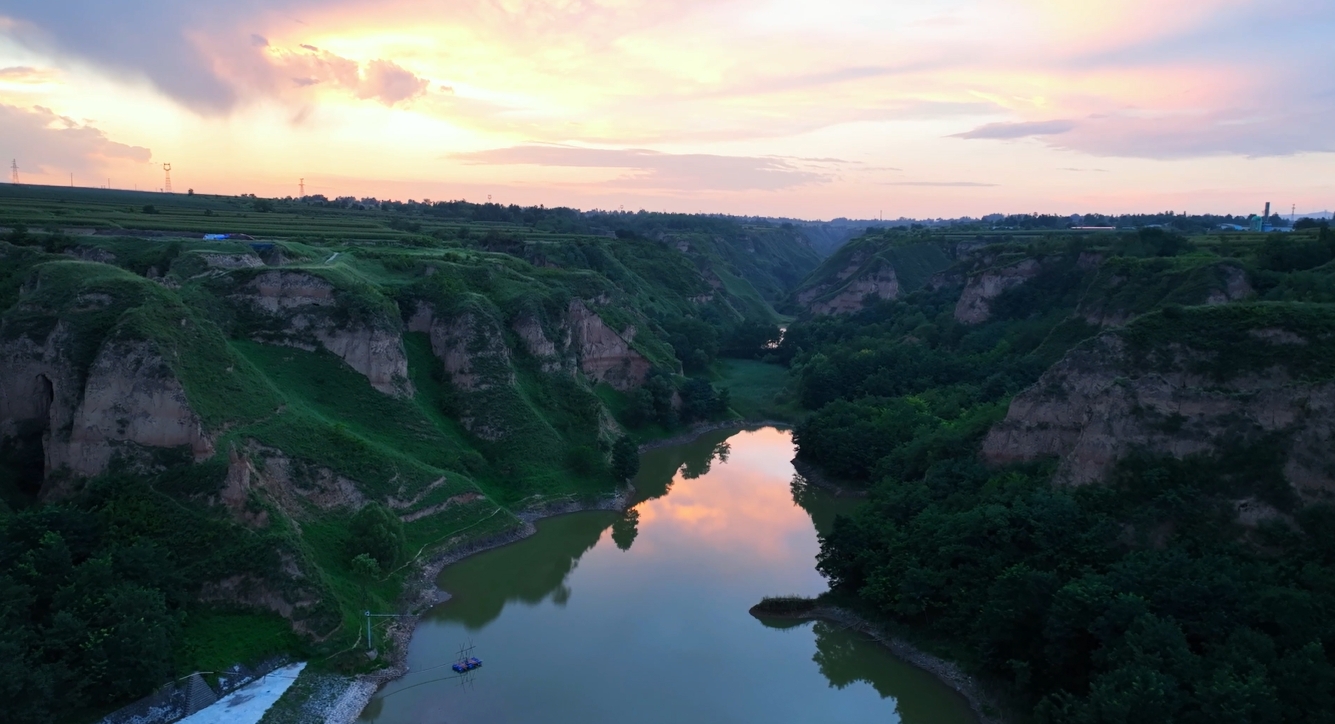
<point>468,664</point>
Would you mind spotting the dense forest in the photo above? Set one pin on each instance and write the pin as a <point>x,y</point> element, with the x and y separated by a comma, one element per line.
<point>1151,593</point>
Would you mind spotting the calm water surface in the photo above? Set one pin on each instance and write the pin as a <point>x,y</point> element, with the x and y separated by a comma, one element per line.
<point>642,617</point>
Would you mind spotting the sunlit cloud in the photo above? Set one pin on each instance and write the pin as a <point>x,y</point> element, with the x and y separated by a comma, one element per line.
<point>653,169</point>
<point>51,143</point>
<point>677,102</point>
<point>998,131</point>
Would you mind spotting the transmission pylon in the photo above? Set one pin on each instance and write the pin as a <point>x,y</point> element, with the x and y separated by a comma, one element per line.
<point>167,169</point>
<point>14,172</point>
<point>302,186</point>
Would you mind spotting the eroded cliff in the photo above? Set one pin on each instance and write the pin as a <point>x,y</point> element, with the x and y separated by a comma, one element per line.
<point>1189,382</point>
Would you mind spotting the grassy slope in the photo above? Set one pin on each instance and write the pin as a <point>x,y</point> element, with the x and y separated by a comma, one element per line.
<point>319,412</point>
<point>759,390</point>
<point>914,262</point>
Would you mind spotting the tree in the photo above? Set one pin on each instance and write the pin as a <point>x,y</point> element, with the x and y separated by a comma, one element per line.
<point>377,532</point>
<point>625,458</point>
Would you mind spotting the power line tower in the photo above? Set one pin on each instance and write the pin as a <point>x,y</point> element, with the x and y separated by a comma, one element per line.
<point>167,169</point>
<point>302,186</point>
<point>14,172</point>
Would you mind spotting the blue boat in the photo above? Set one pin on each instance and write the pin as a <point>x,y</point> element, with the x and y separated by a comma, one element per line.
<point>468,664</point>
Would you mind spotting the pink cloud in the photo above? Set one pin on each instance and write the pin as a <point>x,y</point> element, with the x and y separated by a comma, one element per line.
<point>45,143</point>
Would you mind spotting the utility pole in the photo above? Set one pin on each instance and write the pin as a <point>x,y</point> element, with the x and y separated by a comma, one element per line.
<point>370,616</point>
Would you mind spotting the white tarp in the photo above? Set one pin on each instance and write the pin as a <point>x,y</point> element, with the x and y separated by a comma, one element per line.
<point>248,704</point>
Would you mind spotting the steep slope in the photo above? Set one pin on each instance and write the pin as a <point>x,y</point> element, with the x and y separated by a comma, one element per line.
<point>1101,467</point>
<point>877,266</point>
<point>347,409</point>
<point>1188,382</point>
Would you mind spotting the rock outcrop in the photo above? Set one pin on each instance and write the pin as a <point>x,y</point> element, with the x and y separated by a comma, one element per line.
<point>975,304</point>
<point>534,338</point>
<point>128,396</point>
<point>471,345</point>
<point>303,312</point>
<point>881,283</point>
<point>1128,288</point>
<point>604,354</point>
<point>1099,404</point>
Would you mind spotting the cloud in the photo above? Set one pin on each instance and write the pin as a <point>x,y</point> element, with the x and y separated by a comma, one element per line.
<point>389,83</point>
<point>656,170</point>
<point>24,75</point>
<point>1005,131</point>
<point>959,184</point>
<point>1281,131</point>
<point>380,80</point>
<point>205,55</point>
<point>44,142</point>
<point>145,38</point>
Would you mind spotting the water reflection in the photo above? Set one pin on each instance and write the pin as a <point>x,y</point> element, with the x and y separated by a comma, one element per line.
<point>625,529</point>
<point>490,582</point>
<point>643,617</point>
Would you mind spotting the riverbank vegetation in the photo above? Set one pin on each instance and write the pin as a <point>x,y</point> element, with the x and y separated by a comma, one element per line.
<point>1182,577</point>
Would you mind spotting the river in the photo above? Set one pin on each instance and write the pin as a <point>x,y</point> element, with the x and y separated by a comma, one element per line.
<point>643,617</point>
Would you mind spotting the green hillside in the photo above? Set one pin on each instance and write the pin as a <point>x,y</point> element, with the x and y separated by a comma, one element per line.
<point>289,424</point>
<point>1099,468</point>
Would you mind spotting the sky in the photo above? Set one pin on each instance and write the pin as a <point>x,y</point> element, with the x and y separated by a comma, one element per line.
<point>794,108</point>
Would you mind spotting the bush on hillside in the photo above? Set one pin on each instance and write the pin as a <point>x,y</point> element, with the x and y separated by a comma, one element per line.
<point>377,532</point>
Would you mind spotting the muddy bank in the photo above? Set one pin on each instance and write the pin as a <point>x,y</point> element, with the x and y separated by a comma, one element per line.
<point>984,708</point>
<point>421,593</point>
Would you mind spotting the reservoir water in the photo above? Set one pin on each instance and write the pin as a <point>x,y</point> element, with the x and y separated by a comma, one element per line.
<point>643,617</point>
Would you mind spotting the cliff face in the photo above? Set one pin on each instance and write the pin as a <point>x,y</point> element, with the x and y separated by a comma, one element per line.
<point>869,267</point>
<point>974,306</point>
<point>128,396</point>
<point>604,355</point>
<point>303,311</point>
<point>881,283</point>
<point>844,293</point>
<point>86,375</point>
<point>1127,288</point>
<point>1106,399</point>
<point>471,345</point>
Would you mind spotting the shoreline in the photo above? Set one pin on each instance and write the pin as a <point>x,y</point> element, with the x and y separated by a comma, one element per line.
<point>817,477</point>
<point>421,593</point>
<point>705,428</point>
<point>947,672</point>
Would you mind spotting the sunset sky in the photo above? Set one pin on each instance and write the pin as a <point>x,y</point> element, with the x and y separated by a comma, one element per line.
<point>775,107</point>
